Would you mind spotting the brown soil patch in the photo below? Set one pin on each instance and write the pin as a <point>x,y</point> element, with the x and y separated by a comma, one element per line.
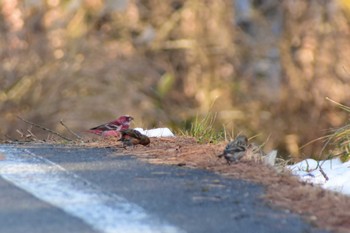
<point>322,208</point>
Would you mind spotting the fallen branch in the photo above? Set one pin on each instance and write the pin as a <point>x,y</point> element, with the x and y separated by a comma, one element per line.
<point>44,128</point>
<point>69,130</point>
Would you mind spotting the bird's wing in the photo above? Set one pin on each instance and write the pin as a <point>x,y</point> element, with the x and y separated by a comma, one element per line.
<point>234,148</point>
<point>107,126</point>
<point>132,133</point>
<point>137,134</point>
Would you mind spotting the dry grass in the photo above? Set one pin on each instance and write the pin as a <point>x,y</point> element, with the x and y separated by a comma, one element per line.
<point>339,139</point>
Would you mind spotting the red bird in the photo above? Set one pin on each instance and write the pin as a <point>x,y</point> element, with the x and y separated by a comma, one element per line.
<point>131,137</point>
<point>112,128</point>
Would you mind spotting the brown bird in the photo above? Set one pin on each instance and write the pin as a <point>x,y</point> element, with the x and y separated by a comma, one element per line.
<point>131,137</point>
<point>255,153</point>
<point>235,149</point>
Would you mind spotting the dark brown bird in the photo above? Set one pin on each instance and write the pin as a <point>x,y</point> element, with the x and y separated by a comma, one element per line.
<point>235,149</point>
<point>131,137</point>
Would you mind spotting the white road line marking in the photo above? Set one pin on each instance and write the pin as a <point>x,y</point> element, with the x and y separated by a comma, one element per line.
<point>49,182</point>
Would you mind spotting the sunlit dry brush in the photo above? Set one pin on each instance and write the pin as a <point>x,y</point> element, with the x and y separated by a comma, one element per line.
<point>265,69</point>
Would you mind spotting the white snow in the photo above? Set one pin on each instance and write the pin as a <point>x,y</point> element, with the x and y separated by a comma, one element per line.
<point>338,174</point>
<point>158,132</point>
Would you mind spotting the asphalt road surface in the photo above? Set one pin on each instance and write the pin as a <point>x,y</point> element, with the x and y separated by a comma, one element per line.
<point>46,188</point>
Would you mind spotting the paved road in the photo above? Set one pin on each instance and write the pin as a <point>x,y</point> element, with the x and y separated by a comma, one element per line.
<point>48,188</point>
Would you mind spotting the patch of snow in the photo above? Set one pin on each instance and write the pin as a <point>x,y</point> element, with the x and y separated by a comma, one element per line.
<point>158,132</point>
<point>270,158</point>
<point>338,174</point>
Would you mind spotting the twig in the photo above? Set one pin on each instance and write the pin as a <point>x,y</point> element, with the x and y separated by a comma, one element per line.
<point>324,174</point>
<point>31,135</point>
<point>44,128</point>
<point>69,130</point>
<point>20,133</point>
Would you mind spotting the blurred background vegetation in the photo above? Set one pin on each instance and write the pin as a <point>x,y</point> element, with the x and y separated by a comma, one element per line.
<point>265,67</point>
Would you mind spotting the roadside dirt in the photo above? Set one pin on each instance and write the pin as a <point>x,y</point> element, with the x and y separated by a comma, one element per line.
<point>322,208</point>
